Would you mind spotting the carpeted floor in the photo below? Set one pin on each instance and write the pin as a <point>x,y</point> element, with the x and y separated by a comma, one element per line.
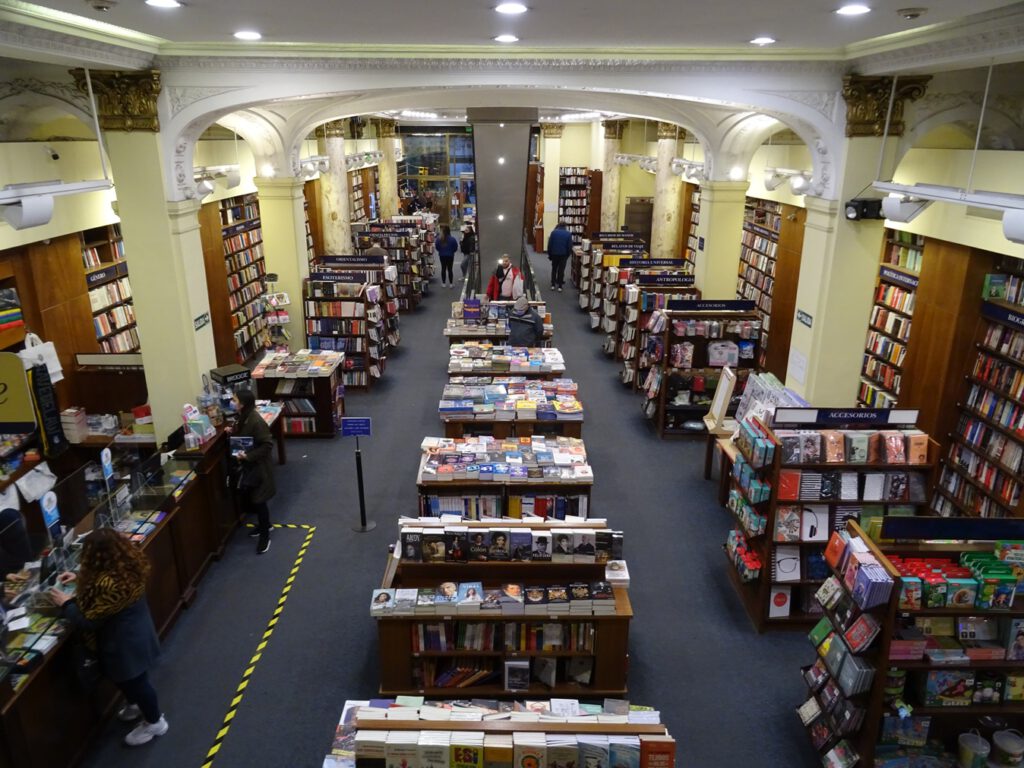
<point>726,694</point>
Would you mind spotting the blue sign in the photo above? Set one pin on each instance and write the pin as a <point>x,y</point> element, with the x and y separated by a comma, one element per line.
<point>700,243</point>
<point>898,278</point>
<point>337,277</point>
<point>355,426</point>
<point>365,260</point>
<point>683,281</point>
<point>642,263</point>
<point>725,305</point>
<point>838,417</point>
<point>1002,314</point>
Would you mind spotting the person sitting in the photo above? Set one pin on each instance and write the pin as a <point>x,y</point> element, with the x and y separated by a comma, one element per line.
<point>506,284</point>
<point>525,326</point>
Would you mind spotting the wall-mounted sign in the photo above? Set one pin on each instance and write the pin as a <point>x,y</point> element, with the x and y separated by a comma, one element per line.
<point>804,318</point>
<point>202,320</point>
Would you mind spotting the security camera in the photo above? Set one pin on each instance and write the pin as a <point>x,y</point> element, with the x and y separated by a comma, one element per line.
<point>53,153</point>
<point>912,13</point>
<point>102,5</point>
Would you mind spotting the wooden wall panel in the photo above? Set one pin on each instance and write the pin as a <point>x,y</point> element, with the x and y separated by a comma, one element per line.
<point>787,278</point>
<point>211,234</point>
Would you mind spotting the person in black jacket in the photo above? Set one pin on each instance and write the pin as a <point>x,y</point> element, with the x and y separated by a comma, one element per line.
<point>257,468</point>
<point>446,246</point>
<point>468,248</point>
<point>15,549</point>
<point>525,326</point>
<point>109,607</point>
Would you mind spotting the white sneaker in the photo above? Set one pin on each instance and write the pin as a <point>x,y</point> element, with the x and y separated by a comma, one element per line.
<point>144,732</point>
<point>129,713</point>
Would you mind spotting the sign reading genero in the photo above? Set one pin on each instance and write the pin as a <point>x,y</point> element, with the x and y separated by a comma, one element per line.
<point>17,416</point>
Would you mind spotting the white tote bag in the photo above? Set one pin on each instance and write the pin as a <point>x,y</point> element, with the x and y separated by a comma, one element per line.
<point>39,352</point>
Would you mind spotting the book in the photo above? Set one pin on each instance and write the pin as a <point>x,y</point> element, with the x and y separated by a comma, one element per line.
<point>787,524</point>
<point>412,544</point>
<point>382,602</point>
<point>517,676</point>
<point>657,751</point>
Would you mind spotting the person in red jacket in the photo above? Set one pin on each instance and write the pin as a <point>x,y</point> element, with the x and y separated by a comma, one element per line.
<point>506,284</point>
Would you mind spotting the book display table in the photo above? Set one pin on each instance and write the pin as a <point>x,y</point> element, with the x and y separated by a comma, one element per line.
<point>476,319</point>
<point>486,359</point>
<point>511,406</point>
<point>308,382</point>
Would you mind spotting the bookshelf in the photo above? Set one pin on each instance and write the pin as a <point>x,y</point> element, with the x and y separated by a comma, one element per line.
<point>110,293</point>
<point>687,344</point>
<point>425,225</point>
<point>533,210</point>
<point>982,472</point>
<point>402,243</point>
<point>786,506</point>
<point>610,251</point>
<point>412,663</point>
<point>691,222</point>
<point>311,211</point>
<point>885,349</point>
<point>368,269</point>
<point>346,316</point>
<point>235,277</point>
<point>310,388</point>
<point>579,200</point>
<point>769,270</point>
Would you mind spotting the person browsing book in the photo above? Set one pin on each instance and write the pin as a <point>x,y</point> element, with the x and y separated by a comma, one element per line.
<point>110,609</point>
<point>446,246</point>
<point>377,249</point>
<point>525,327</point>
<point>256,471</point>
<point>506,283</point>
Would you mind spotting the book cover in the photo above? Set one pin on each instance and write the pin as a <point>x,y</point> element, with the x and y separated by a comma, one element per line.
<point>593,750</point>
<point>535,595</point>
<point>456,543</point>
<point>624,751</point>
<point>657,751</point>
<point>558,598</point>
<point>383,601</point>
<point>447,593</point>
<point>433,546</point>
<point>521,544</point>
<point>470,592</point>
<point>478,546</point>
<point>541,546</point>
<point>584,550</point>
<point>412,544</point>
<point>498,548</point>
<point>465,755</point>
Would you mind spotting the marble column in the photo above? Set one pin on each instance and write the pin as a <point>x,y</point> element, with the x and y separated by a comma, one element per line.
<point>551,156</point>
<point>335,213</point>
<point>666,218</point>
<point>387,187</point>
<point>611,172</point>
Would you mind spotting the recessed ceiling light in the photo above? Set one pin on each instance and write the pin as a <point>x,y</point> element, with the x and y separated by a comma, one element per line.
<point>762,41</point>
<point>506,39</point>
<point>511,8</point>
<point>248,34</point>
<point>501,217</point>
<point>164,3</point>
<point>853,9</point>
<point>501,161</point>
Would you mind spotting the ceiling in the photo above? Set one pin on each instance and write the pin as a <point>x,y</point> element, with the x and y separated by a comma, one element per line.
<point>558,25</point>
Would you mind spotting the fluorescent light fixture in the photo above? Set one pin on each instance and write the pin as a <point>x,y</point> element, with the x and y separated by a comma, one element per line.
<point>511,9</point>
<point>163,3</point>
<point>506,38</point>
<point>853,9</point>
<point>248,34</point>
<point>31,204</point>
<point>906,201</point>
<point>763,41</point>
<point>415,114</point>
<point>583,116</point>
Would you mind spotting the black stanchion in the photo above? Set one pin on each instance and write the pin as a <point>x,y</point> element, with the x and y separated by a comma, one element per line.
<point>364,525</point>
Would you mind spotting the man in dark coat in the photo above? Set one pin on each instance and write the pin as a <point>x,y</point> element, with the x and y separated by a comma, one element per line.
<point>559,250</point>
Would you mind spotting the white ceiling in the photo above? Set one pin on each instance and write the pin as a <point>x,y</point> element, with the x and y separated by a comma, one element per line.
<point>550,24</point>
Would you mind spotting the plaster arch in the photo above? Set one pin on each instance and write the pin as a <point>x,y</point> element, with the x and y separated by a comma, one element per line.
<point>962,114</point>
<point>23,108</point>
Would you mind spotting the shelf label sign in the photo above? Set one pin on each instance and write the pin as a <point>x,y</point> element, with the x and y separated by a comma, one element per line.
<point>1002,314</point>
<point>644,263</point>
<point>337,277</point>
<point>366,260</point>
<point>107,463</point>
<point>51,516</point>
<point>202,321</point>
<point>355,426</point>
<point>17,416</point>
<point>837,417</point>
<point>804,317</point>
<point>700,243</point>
<point>700,305</point>
<point>684,281</point>
<point>900,278</point>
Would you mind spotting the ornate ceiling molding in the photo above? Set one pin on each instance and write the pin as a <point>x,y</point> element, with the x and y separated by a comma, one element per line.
<point>334,129</point>
<point>671,131</point>
<point>126,100</point>
<point>67,91</point>
<point>613,129</point>
<point>822,102</point>
<point>931,104</point>
<point>184,97</point>
<point>867,103</point>
<point>552,130</point>
<point>72,47</point>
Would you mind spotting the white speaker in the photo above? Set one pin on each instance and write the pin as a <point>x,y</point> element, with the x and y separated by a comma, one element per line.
<point>898,209</point>
<point>28,212</point>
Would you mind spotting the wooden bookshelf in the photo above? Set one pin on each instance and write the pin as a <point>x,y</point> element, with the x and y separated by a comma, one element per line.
<point>313,406</point>
<point>691,222</point>
<point>769,271</point>
<point>533,210</point>
<point>579,200</point>
<point>110,294</point>
<point>607,250</point>
<point>402,242</point>
<point>640,288</point>
<point>311,206</point>
<point>235,277</point>
<point>346,316</point>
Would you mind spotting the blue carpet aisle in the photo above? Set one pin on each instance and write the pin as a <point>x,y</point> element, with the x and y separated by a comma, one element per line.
<point>726,694</point>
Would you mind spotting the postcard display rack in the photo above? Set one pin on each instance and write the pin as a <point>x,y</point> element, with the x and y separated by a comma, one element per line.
<point>686,347</point>
<point>579,200</point>
<point>346,315</point>
<point>793,484</point>
<point>309,385</point>
<point>918,642</point>
<point>982,473</point>
<point>110,292</point>
<point>235,277</point>
<point>402,242</point>
<point>773,235</point>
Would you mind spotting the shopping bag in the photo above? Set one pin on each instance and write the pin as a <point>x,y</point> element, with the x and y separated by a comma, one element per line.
<point>39,352</point>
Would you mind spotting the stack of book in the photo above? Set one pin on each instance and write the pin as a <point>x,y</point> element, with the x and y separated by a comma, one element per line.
<point>75,424</point>
<point>553,400</point>
<point>548,460</point>
<point>10,309</point>
<point>305,363</point>
<point>484,357</point>
<point>472,598</point>
<point>456,543</point>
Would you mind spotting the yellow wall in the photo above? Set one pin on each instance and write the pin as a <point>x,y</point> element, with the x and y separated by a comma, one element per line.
<point>634,182</point>
<point>577,147</point>
<point>794,157</point>
<point>223,153</point>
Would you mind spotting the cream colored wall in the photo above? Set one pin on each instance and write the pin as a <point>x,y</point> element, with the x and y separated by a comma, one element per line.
<point>795,157</point>
<point>223,153</point>
<point>79,161</point>
<point>634,182</point>
<point>577,146</point>
<point>995,172</point>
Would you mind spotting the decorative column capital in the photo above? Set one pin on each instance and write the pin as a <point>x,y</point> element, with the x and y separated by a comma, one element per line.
<point>670,131</point>
<point>552,130</point>
<point>356,127</point>
<point>126,101</point>
<point>334,129</point>
<point>867,102</point>
<point>386,129</point>
<point>613,129</point>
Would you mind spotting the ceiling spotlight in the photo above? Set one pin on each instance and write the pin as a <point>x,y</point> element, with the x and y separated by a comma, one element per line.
<point>772,179</point>
<point>511,9</point>
<point>248,34</point>
<point>506,39</point>
<point>501,161</point>
<point>863,208</point>
<point>799,183</point>
<point>204,187</point>
<point>910,14</point>
<point>323,165</point>
<point>853,9</point>
<point>163,3</point>
<point>501,217</point>
<point>903,208</point>
<point>736,173</point>
<point>762,41</point>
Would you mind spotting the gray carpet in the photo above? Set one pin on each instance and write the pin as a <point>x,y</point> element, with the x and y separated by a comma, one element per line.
<point>726,694</point>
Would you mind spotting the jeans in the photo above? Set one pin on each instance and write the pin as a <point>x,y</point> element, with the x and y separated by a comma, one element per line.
<point>558,271</point>
<point>447,262</point>
<point>139,691</point>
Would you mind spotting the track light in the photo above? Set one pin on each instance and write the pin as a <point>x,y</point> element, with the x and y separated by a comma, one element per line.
<point>863,208</point>
<point>30,204</point>
<point>204,187</point>
<point>799,181</point>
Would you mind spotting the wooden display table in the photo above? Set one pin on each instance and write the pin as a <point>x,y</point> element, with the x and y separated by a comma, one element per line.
<point>454,426</point>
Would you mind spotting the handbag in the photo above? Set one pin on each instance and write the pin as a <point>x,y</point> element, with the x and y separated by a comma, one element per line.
<point>39,352</point>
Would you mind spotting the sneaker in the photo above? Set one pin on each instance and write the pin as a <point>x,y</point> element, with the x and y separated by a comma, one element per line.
<point>129,713</point>
<point>553,288</point>
<point>144,732</point>
<point>559,289</point>
<point>263,546</point>
<point>254,533</point>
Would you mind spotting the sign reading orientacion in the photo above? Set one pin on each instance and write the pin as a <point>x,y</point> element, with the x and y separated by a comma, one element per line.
<point>17,416</point>
<point>1002,314</point>
<point>684,281</point>
<point>352,426</point>
<point>837,417</point>
<point>202,320</point>
<point>899,278</point>
<point>804,317</point>
<point>341,261</point>
<point>706,305</point>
